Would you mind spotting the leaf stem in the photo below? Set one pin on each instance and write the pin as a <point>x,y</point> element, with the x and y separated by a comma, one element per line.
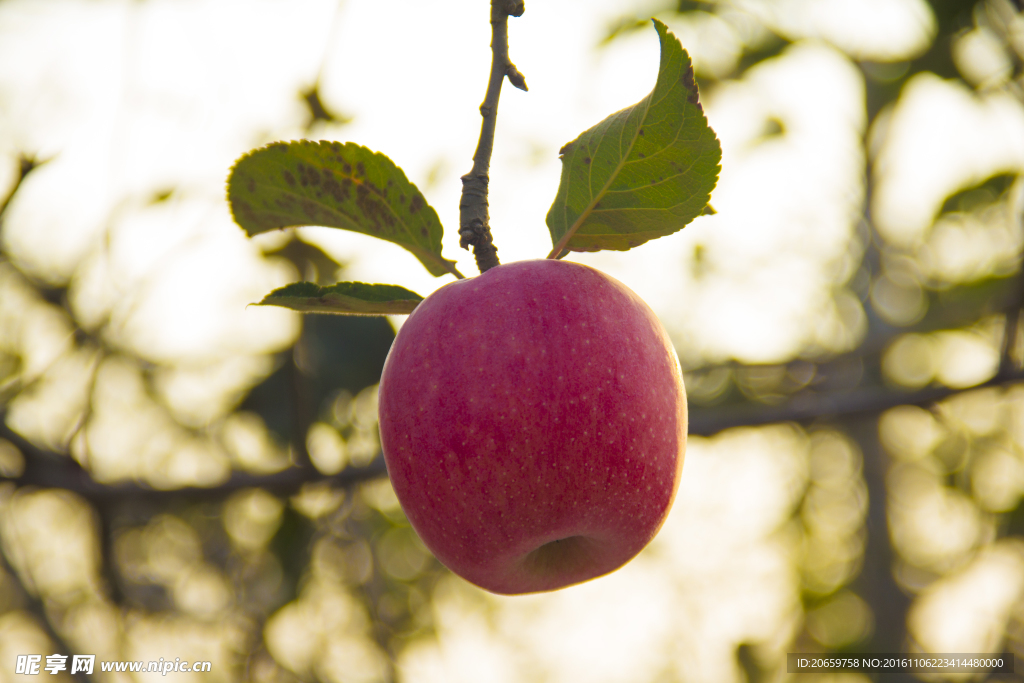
<point>474,222</point>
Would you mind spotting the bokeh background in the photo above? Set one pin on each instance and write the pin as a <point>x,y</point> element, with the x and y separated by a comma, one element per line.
<point>185,476</point>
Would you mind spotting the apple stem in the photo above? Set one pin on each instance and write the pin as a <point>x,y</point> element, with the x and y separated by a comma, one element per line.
<point>474,223</point>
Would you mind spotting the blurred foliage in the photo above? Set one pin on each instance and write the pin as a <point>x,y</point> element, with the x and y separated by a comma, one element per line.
<point>892,481</point>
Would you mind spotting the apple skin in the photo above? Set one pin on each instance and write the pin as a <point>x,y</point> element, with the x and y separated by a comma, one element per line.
<point>533,423</point>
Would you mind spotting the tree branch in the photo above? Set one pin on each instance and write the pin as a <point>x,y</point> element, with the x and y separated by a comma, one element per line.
<point>876,581</point>
<point>1008,362</point>
<point>26,164</point>
<point>811,406</point>
<point>474,222</point>
<point>52,470</point>
<point>37,608</point>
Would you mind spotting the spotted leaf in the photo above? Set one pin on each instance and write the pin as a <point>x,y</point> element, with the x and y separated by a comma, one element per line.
<point>291,184</point>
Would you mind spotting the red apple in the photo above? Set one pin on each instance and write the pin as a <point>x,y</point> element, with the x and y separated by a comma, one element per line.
<point>533,422</point>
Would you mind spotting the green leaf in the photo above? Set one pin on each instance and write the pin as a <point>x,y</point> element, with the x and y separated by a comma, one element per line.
<point>291,184</point>
<point>642,173</point>
<point>346,298</point>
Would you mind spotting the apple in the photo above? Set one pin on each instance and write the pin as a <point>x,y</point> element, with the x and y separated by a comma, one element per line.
<point>533,423</point>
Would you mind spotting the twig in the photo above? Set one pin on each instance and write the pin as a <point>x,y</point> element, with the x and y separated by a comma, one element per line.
<point>311,95</point>
<point>26,164</point>
<point>474,222</point>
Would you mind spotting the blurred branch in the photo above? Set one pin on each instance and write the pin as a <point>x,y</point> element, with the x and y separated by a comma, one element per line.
<point>37,608</point>
<point>876,581</point>
<point>474,223</point>
<point>318,111</point>
<point>26,164</point>
<point>301,413</point>
<point>810,406</point>
<point>1011,330</point>
<point>108,567</point>
<point>311,96</point>
<point>44,469</point>
<point>1011,333</point>
<point>51,470</point>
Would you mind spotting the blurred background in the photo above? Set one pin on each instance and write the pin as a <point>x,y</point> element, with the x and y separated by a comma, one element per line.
<point>185,476</point>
